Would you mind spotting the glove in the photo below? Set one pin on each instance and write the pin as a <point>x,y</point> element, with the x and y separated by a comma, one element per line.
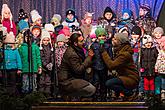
<point>49,66</point>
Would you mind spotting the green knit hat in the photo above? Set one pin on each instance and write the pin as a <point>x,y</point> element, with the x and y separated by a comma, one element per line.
<point>100,31</point>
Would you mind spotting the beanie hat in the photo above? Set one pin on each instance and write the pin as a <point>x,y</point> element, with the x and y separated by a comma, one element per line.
<point>159,29</point>
<point>92,33</point>
<point>35,27</point>
<point>123,37</point>
<point>127,11</point>
<point>6,8</point>
<point>22,15</point>
<point>56,17</point>
<point>136,30</point>
<point>35,15</point>
<point>70,11</point>
<point>10,38</point>
<point>49,27</point>
<point>23,25</point>
<point>45,34</point>
<point>146,39</point>
<point>122,29</point>
<point>108,9</point>
<point>100,31</point>
<point>88,15</point>
<point>145,6</point>
<point>61,37</point>
<point>65,31</point>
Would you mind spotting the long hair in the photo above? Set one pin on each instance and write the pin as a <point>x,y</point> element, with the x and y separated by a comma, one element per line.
<point>73,38</point>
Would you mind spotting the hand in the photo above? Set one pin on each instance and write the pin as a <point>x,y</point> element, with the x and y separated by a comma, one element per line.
<point>19,72</point>
<point>39,70</point>
<point>49,66</point>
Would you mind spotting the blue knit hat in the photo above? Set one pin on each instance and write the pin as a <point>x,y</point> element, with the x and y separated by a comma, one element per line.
<point>127,11</point>
<point>23,25</point>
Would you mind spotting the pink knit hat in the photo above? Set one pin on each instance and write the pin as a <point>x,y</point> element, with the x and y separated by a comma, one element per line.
<point>65,31</point>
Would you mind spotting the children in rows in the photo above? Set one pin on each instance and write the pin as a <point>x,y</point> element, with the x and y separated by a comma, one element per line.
<point>7,19</point>
<point>11,64</point>
<point>70,20</point>
<point>99,69</point>
<point>46,51</point>
<point>145,20</point>
<point>31,63</point>
<point>148,58</point>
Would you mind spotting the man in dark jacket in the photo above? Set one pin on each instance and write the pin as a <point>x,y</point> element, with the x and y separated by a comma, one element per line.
<point>73,69</point>
<point>123,64</point>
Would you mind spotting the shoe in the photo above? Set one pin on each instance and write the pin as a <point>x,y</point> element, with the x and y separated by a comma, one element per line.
<point>132,97</point>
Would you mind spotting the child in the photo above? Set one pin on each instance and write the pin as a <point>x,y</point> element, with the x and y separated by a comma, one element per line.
<point>46,51</point>
<point>70,20</point>
<point>36,18</point>
<point>36,34</point>
<point>12,63</point>
<point>7,19</point>
<point>145,19</point>
<point>31,63</point>
<point>99,69</point>
<point>66,32</point>
<point>56,20</point>
<point>86,25</point>
<point>60,49</point>
<point>147,62</point>
<point>50,29</point>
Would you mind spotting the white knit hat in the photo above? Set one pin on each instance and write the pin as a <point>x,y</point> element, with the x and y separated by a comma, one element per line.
<point>10,38</point>
<point>45,34</point>
<point>35,15</point>
<point>146,39</point>
<point>6,8</point>
<point>49,27</point>
<point>56,17</point>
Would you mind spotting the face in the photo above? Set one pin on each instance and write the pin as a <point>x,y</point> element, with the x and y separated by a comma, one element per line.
<point>158,35</point>
<point>125,16</point>
<point>60,44</point>
<point>101,37</point>
<point>6,14</point>
<point>36,32</point>
<point>135,37</point>
<point>38,22</point>
<point>108,15</point>
<point>70,16</point>
<point>80,42</point>
<point>88,20</point>
<point>115,42</point>
<point>26,19</point>
<point>46,41</point>
<point>56,23</point>
<point>148,45</point>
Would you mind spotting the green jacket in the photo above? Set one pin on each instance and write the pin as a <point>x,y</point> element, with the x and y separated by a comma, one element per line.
<point>36,60</point>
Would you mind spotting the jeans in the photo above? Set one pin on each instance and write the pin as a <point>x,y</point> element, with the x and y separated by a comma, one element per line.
<point>117,85</point>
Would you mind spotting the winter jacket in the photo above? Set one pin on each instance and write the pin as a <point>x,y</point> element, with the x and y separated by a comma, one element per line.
<point>160,63</point>
<point>12,59</point>
<point>36,59</point>
<point>148,60</point>
<point>124,65</point>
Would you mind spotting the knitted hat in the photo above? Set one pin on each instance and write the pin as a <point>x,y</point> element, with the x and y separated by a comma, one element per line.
<point>35,15</point>
<point>136,30</point>
<point>145,6</point>
<point>159,29</point>
<point>61,37</point>
<point>65,31</point>
<point>22,15</point>
<point>88,15</point>
<point>45,34</point>
<point>146,39</point>
<point>49,27</point>
<point>10,38</point>
<point>122,29</point>
<point>4,9</point>
<point>56,17</point>
<point>70,11</point>
<point>23,25</point>
<point>100,31</point>
<point>123,37</point>
<point>108,9</point>
<point>35,27</point>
